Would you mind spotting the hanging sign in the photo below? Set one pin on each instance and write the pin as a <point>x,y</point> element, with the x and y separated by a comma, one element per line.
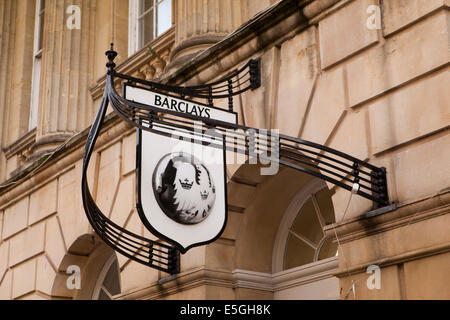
<point>168,102</point>
<point>181,176</point>
<point>181,170</point>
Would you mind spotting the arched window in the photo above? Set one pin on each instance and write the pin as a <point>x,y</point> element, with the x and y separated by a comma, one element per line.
<point>304,258</point>
<point>301,239</point>
<point>108,282</point>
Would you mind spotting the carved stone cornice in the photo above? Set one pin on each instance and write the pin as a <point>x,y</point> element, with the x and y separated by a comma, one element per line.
<point>318,6</point>
<point>44,169</point>
<point>21,146</point>
<point>405,214</point>
<point>245,279</point>
<point>148,63</point>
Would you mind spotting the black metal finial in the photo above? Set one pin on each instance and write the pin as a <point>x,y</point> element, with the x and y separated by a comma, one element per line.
<point>111,54</point>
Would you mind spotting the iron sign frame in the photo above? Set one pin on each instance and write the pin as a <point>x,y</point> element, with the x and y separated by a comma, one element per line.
<point>311,158</point>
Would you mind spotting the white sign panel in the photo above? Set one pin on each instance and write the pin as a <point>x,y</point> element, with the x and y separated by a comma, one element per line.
<point>182,190</point>
<point>166,102</point>
<point>181,184</point>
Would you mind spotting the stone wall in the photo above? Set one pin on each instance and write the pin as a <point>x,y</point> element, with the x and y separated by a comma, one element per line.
<point>377,94</point>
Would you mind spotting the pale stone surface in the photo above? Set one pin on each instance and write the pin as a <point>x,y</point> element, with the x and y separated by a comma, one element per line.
<point>194,258</point>
<point>400,13</point>
<point>71,259</point>
<point>424,164</point>
<point>231,231</point>
<point>196,293</point>
<point>15,218</point>
<point>351,135</point>
<point>351,138</point>
<point>262,218</point>
<point>5,286</point>
<point>389,287</point>
<point>219,293</point>
<point>33,296</point>
<point>108,177</point>
<point>428,278</point>
<point>345,32</point>
<point>1,225</point>
<point>134,223</point>
<point>60,286</point>
<point>220,255</point>
<point>254,103</point>
<point>325,289</point>
<point>4,246</point>
<point>68,71</point>
<point>103,24</point>
<point>73,220</point>
<point>251,294</point>
<point>136,275</point>
<point>200,19</point>
<point>391,243</point>
<point>122,260</point>
<point>149,235</point>
<point>54,242</point>
<point>24,278</point>
<point>11,165</point>
<point>21,38</point>
<point>403,57</point>
<point>27,244</point>
<point>129,154</point>
<point>240,195</point>
<point>357,206</point>
<point>84,245</point>
<point>400,117</point>
<point>45,275</point>
<point>297,74</point>
<point>327,108</point>
<point>124,202</point>
<point>42,202</point>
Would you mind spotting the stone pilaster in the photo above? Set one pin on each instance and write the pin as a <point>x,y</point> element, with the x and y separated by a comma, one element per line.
<point>16,58</point>
<point>201,23</point>
<point>65,107</point>
<point>7,30</point>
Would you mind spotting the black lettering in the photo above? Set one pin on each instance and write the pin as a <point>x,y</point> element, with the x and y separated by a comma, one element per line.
<point>173,105</point>
<point>179,107</point>
<point>187,108</point>
<point>166,103</point>
<point>194,110</point>
<point>157,100</point>
<point>207,113</point>
<point>200,111</point>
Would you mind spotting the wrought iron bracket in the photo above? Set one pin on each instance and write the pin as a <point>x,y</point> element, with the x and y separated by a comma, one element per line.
<point>331,165</point>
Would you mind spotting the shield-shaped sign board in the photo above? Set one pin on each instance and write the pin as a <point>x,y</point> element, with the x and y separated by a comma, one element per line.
<point>182,194</point>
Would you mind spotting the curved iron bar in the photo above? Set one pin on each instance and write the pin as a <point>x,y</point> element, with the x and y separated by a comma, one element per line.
<point>288,151</point>
<point>346,164</point>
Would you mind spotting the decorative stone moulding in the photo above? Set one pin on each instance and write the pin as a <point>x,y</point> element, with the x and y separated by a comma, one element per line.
<point>148,63</point>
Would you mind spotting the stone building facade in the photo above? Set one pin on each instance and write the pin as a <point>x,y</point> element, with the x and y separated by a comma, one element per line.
<point>366,77</point>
